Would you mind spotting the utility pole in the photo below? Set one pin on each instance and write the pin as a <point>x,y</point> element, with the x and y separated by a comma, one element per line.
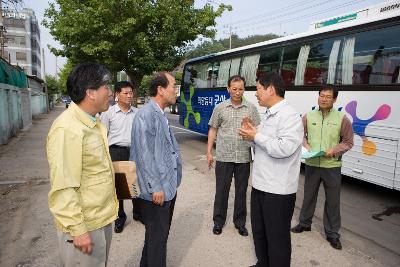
<point>230,28</point>
<point>43,64</point>
<point>230,37</point>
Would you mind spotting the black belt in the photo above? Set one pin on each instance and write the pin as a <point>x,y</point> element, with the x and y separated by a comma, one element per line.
<point>120,147</point>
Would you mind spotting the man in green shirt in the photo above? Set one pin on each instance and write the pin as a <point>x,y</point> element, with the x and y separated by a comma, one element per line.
<point>330,131</point>
<point>82,197</point>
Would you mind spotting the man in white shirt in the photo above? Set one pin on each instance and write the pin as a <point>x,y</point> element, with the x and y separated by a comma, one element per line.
<point>118,120</point>
<point>276,168</point>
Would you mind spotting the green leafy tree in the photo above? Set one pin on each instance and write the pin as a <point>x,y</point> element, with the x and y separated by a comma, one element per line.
<point>143,89</point>
<point>137,36</point>
<point>63,76</point>
<point>206,48</point>
<point>178,77</point>
<point>53,86</point>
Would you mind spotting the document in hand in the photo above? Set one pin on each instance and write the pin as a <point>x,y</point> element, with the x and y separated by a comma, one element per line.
<point>312,154</point>
<point>126,183</point>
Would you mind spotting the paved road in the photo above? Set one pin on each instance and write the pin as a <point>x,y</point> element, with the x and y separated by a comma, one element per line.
<point>370,213</point>
<point>27,233</point>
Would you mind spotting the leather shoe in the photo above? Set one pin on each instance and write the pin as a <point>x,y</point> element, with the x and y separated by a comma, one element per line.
<point>119,224</point>
<point>335,243</point>
<point>242,231</point>
<point>217,230</point>
<point>299,229</point>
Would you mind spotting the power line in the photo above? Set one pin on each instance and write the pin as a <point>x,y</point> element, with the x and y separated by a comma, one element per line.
<point>305,16</point>
<point>282,15</point>
<point>272,11</point>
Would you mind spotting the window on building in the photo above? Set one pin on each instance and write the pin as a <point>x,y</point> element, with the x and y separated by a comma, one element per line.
<point>34,27</point>
<point>14,23</point>
<point>34,43</point>
<point>21,56</point>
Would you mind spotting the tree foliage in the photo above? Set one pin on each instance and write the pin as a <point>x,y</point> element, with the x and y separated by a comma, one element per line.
<point>63,76</point>
<point>214,46</point>
<point>137,36</point>
<point>143,89</point>
<point>53,87</point>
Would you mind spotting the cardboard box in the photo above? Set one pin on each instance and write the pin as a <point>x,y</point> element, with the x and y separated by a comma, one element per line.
<point>126,183</point>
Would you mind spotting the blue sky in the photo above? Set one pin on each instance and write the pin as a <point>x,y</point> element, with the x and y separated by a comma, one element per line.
<point>248,17</point>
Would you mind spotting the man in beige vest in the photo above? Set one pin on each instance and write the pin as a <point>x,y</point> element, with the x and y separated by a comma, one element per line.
<point>330,131</point>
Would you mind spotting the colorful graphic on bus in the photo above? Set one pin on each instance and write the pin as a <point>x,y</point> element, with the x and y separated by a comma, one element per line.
<point>189,109</point>
<point>359,125</point>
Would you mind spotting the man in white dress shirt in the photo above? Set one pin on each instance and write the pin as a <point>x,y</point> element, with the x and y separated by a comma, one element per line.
<point>276,167</point>
<point>118,120</point>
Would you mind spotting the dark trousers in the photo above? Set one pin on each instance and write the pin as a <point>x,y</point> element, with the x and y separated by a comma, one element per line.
<point>119,153</point>
<point>224,172</point>
<point>157,221</point>
<point>331,178</point>
<point>271,215</point>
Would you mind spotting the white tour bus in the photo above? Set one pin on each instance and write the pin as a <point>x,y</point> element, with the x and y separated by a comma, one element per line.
<point>358,52</point>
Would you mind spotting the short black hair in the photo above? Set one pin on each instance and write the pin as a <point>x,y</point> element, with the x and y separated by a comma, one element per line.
<point>122,84</point>
<point>330,87</point>
<point>236,78</point>
<point>274,79</point>
<point>158,79</point>
<point>86,76</point>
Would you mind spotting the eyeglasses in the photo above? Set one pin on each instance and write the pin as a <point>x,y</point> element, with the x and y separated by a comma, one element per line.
<point>327,97</point>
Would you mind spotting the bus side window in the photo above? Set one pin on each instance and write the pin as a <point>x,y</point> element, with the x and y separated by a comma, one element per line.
<point>201,70</point>
<point>249,68</point>
<point>214,75</point>
<point>270,61</point>
<point>289,64</point>
<point>321,62</point>
<point>376,57</point>
<point>223,73</point>
<point>190,75</point>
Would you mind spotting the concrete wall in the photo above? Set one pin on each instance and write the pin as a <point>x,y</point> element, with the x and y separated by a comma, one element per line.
<point>10,112</point>
<point>17,107</point>
<point>26,108</point>
<point>38,103</point>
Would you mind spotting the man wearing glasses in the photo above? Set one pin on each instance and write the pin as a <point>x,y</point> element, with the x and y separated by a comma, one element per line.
<point>328,130</point>
<point>82,197</point>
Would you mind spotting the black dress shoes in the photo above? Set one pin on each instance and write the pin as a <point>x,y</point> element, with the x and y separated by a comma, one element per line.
<point>119,224</point>
<point>217,230</point>
<point>242,231</point>
<point>335,243</point>
<point>299,229</point>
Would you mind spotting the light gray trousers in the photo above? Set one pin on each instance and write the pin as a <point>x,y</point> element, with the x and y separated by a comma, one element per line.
<point>331,178</point>
<point>71,256</point>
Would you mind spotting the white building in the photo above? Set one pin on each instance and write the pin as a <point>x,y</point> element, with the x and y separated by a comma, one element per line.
<point>23,45</point>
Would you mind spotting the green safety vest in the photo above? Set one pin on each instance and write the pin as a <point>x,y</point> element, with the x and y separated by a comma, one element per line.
<point>324,133</point>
